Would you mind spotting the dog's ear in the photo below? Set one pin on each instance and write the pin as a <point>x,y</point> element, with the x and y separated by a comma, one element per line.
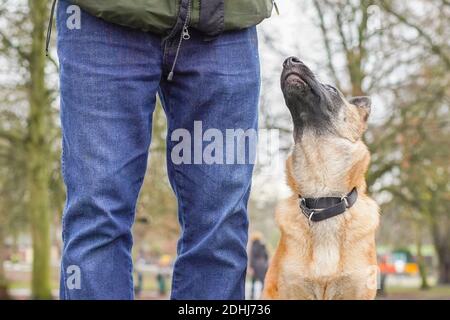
<point>364,105</point>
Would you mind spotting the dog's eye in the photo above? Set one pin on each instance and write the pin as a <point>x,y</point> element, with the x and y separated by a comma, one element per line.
<point>332,88</point>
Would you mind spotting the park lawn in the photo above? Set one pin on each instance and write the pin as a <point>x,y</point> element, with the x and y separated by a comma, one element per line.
<point>24,284</point>
<point>437,292</point>
<point>150,284</point>
<point>149,290</point>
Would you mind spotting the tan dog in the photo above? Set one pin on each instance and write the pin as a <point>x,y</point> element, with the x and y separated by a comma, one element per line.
<point>334,258</point>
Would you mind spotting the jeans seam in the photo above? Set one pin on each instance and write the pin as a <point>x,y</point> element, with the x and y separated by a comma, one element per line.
<point>130,269</point>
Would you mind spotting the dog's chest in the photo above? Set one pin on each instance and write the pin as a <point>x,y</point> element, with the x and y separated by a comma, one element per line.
<point>326,239</point>
<point>310,265</point>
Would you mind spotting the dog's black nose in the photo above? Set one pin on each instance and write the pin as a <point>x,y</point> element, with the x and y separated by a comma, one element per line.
<point>291,61</point>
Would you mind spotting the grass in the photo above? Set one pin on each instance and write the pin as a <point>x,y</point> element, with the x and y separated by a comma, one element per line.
<point>393,292</point>
<point>150,284</point>
<point>437,292</point>
<point>23,284</point>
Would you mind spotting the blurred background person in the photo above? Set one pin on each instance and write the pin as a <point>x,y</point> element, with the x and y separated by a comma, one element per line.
<point>259,260</point>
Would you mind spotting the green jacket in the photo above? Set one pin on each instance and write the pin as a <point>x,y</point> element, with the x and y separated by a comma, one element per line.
<point>161,16</point>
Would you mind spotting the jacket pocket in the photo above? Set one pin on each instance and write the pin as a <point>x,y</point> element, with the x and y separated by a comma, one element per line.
<point>241,14</point>
<point>156,16</point>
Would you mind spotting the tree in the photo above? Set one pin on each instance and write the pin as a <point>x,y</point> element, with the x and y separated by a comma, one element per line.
<point>423,172</point>
<point>386,49</point>
<point>28,99</point>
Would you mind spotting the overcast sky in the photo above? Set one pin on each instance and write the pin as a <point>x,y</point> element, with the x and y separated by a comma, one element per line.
<point>296,35</point>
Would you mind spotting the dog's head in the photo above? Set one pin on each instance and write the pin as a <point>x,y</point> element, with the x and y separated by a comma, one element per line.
<point>327,131</point>
<point>320,107</point>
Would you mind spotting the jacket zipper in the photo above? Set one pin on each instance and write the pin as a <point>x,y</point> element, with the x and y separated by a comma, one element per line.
<point>49,28</point>
<point>184,36</point>
<point>276,7</point>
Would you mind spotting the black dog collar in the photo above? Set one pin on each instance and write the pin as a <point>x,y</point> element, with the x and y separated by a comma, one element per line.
<point>321,209</point>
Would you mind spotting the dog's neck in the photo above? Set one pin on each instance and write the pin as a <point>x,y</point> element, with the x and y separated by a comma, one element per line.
<point>327,166</point>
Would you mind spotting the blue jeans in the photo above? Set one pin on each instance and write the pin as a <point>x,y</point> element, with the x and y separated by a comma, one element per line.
<point>109,77</point>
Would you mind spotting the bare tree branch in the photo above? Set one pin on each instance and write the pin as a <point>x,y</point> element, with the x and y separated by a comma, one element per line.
<point>327,44</point>
<point>437,49</point>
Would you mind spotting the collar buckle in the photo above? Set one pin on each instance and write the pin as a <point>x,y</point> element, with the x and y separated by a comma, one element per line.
<point>345,200</point>
<point>311,215</point>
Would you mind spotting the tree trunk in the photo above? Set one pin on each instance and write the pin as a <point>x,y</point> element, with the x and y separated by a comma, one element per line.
<point>421,261</point>
<point>3,281</point>
<point>441,238</point>
<point>443,253</point>
<point>37,149</point>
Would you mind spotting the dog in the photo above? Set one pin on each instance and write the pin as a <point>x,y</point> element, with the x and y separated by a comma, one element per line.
<point>327,246</point>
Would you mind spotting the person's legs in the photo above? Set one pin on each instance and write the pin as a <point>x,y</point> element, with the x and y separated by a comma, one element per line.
<point>109,78</point>
<point>217,83</point>
<point>252,294</point>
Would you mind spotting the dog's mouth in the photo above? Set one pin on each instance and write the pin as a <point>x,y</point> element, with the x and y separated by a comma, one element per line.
<point>306,97</point>
<point>295,78</point>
